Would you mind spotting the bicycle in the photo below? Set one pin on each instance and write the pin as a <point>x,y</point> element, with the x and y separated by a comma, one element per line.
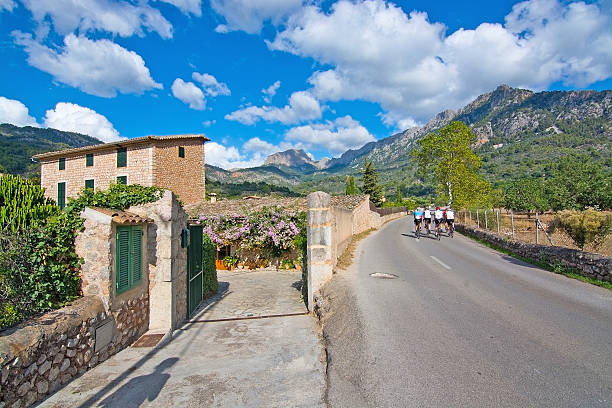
<point>451,230</point>
<point>417,232</point>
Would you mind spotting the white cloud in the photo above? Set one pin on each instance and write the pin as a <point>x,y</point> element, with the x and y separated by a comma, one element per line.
<point>189,93</point>
<point>270,91</point>
<point>74,118</point>
<point>229,157</point>
<point>187,6</point>
<point>302,106</point>
<point>336,137</point>
<point>210,84</point>
<point>209,123</point>
<point>7,5</point>
<point>414,69</point>
<point>15,113</point>
<point>100,68</point>
<point>117,17</point>
<point>249,15</point>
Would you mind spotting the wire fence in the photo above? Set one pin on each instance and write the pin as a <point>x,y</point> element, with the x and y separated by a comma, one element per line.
<point>526,227</point>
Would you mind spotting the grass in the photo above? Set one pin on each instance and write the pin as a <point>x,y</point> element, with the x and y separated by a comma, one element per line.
<point>346,259</point>
<point>555,268</point>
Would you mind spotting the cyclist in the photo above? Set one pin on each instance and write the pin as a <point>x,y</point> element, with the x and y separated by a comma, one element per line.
<point>449,214</point>
<point>427,218</point>
<point>418,218</point>
<point>438,219</point>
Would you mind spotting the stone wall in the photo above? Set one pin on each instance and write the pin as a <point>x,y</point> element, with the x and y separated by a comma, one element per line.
<point>330,229</point>
<point>167,262</point>
<point>183,175</point>
<point>41,355</point>
<point>584,263</point>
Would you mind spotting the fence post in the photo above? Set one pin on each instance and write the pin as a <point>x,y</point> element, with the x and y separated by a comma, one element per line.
<point>512,220</point>
<point>486,221</point>
<point>477,219</point>
<point>537,229</point>
<point>470,217</point>
<point>498,229</point>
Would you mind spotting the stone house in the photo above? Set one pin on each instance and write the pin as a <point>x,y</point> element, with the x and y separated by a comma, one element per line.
<point>172,162</point>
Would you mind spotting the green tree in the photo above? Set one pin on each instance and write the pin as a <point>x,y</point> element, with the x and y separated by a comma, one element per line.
<point>350,185</point>
<point>576,182</point>
<point>525,194</point>
<point>398,196</point>
<point>370,182</point>
<point>446,157</point>
<point>584,227</point>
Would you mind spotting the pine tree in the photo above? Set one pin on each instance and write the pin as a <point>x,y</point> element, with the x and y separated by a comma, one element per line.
<point>370,182</point>
<point>350,185</point>
<point>398,198</point>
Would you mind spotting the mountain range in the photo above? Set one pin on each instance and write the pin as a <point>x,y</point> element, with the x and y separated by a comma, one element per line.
<point>519,132</point>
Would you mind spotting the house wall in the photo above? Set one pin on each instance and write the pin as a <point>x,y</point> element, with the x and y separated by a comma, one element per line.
<point>103,172</point>
<point>184,176</point>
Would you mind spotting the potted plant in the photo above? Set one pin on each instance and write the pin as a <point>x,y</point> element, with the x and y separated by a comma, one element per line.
<point>230,261</point>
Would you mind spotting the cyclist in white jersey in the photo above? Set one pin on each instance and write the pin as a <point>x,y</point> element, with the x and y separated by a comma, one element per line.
<point>438,218</point>
<point>449,215</point>
<point>427,218</point>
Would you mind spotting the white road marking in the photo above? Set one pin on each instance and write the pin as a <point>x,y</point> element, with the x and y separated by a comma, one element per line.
<point>440,262</point>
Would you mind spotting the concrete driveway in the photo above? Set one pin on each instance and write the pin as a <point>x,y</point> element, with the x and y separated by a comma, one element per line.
<point>251,345</point>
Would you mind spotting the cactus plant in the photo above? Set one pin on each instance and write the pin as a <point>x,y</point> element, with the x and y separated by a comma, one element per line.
<point>22,203</point>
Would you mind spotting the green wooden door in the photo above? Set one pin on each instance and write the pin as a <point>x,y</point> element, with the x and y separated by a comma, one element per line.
<point>194,269</point>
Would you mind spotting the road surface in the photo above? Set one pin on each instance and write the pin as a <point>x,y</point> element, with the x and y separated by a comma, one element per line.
<point>463,326</point>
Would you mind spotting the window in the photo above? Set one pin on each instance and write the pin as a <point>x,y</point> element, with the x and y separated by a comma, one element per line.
<point>89,159</point>
<point>61,195</point>
<point>122,157</point>
<point>129,257</point>
<point>121,179</point>
<point>62,163</point>
<point>181,151</point>
<point>89,184</point>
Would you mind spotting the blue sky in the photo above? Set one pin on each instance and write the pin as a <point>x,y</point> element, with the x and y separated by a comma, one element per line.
<point>260,76</point>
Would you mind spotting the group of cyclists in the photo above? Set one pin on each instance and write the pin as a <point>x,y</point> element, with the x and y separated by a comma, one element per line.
<point>441,217</point>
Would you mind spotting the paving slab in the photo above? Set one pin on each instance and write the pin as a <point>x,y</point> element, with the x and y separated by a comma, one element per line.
<point>259,361</point>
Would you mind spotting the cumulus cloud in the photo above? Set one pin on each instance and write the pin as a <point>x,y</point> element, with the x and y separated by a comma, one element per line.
<point>270,91</point>
<point>302,106</point>
<point>210,84</point>
<point>75,118</point>
<point>187,6</point>
<point>415,69</point>
<point>100,68</point>
<point>120,18</point>
<point>16,113</point>
<point>230,157</point>
<point>336,137</point>
<point>249,15</point>
<point>189,93</point>
<point>7,5</point>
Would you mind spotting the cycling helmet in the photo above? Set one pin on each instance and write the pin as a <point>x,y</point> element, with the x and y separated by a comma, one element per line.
<point>437,208</point>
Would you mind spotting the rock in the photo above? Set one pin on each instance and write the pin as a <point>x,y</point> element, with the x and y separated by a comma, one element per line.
<point>66,378</point>
<point>4,374</point>
<point>53,373</point>
<point>79,359</point>
<point>54,386</point>
<point>41,359</point>
<point>58,358</point>
<point>87,356</point>
<point>30,398</point>
<point>43,368</point>
<point>42,387</point>
<point>65,365</point>
<point>53,350</point>
<point>71,353</point>
<point>30,370</point>
<point>17,404</point>
<point>71,343</point>
<point>24,388</point>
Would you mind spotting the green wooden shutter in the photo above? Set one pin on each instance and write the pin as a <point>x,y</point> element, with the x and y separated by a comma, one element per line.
<point>89,184</point>
<point>181,151</point>
<point>121,179</point>
<point>89,159</point>
<point>136,255</point>
<point>62,163</point>
<point>61,195</point>
<point>122,157</point>
<point>123,259</point>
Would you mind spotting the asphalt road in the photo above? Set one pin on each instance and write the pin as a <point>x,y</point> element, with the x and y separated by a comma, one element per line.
<point>463,326</point>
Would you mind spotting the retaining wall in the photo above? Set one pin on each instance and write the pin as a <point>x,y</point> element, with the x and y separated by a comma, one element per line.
<point>584,263</point>
<point>41,355</point>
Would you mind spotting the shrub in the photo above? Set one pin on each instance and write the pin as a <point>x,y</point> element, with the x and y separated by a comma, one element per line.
<point>209,269</point>
<point>584,227</point>
<point>22,203</point>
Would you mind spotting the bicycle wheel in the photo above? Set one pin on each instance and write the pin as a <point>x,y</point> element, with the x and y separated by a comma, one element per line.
<point>438,234</point>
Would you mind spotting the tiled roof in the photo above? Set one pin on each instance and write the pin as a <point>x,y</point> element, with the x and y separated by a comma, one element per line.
<point>119,143</point>
<point>123,217</point>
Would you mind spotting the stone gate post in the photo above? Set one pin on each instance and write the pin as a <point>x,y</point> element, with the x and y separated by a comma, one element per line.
<point>319,236</point>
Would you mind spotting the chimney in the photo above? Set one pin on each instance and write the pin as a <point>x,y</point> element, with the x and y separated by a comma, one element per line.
<point>213,197</point>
